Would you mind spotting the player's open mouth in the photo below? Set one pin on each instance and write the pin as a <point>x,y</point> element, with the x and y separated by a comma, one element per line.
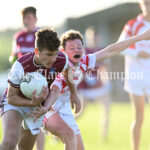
<point>77,56</point>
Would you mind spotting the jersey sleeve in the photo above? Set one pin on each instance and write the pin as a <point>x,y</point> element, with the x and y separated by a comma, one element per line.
<point>88,62</point>
<point>127,33</point>
<point>59,81</point>
<point>16,75</point>
<point>67,61</point>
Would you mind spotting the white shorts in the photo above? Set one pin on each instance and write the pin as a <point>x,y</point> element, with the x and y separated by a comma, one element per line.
<point>141,88</point>
<point>67,118</point>
<point>27,123</point>
<point>70,121</point>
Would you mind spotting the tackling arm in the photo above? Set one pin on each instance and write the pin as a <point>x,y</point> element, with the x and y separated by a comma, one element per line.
<point>117,47</point>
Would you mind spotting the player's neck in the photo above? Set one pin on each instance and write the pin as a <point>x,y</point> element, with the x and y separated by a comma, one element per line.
<point>31,29</point>
<point>36,60</point>
<point>74,63</point>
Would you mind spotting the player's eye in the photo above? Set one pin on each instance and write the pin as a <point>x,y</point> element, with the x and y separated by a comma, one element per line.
<point>71,49</point>
<point>49,55</point>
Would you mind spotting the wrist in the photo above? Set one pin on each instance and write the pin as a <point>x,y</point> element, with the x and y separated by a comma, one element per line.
<point>46,109</point>
<point>74,93</point>
<point>32,104</point>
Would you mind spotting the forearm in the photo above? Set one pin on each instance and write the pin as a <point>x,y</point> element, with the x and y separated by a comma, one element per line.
<point>54,94</point>
<point>118,47</point>
<point>17,100</point>
<point>71,86</point>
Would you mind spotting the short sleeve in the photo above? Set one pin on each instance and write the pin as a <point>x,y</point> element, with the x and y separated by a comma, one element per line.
<point>88,62</point>
<point>92,61</point>
<point>16,75</point>
<point>127,33</point>
<point>59,81</point>
<point>67,61</point>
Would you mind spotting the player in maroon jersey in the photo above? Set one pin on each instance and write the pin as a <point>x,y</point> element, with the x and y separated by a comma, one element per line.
<point>24,40</point>
<point>15,107</point>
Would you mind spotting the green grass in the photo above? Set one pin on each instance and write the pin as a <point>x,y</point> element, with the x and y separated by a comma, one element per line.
<point>119,135</point>
<point>5,51</point>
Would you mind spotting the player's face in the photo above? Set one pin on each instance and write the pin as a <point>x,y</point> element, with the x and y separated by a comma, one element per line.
<point>145,6</point>
<point>47,58</point>
<point>29,21</point>
<point>74,49</point>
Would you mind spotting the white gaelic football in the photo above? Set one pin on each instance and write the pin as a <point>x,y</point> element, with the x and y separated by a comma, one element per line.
<point>32,81</point>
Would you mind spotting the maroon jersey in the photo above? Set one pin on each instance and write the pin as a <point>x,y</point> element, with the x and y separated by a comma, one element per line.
<point>27,65</point>
<point>23,43</point>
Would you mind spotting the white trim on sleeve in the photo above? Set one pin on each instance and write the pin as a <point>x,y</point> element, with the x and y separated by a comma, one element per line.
<point>16,73</point>
<point>58,84</point>
<point>67,61</point>
<point>92,61</point>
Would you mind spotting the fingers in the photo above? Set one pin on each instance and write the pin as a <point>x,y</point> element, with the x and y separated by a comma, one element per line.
<point>72,104</point>
<point>34,93</point>
<point>38,109</point>
<point>44,93</point>
<point>47,90</point>
<point>78,107</point>
<point>36,114</point>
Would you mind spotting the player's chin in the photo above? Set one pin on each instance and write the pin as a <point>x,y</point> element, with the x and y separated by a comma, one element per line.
<point>76,60</point>
<point>48,65</point>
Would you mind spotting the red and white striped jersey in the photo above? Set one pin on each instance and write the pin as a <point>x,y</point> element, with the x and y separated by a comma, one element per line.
<point>132,62</point>
<point>87,62</point>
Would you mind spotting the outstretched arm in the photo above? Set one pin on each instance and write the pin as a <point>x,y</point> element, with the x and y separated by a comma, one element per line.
<point>117,47</point>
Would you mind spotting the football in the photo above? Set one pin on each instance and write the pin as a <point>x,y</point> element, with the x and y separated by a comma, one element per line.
<point>32,81</point>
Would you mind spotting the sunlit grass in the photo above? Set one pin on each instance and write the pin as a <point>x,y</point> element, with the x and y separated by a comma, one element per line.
<point>119,126</point>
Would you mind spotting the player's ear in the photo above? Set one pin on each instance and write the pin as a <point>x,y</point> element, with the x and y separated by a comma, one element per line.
<point>36,51</point>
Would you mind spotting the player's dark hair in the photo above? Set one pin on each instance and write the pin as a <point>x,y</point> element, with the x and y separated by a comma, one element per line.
<point>27,10</point>
<point>47,38</point>
<point>70,35</point>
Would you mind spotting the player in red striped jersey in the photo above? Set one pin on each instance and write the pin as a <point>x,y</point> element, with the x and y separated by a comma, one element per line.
<point>60,120</point>
<point>137,60</point>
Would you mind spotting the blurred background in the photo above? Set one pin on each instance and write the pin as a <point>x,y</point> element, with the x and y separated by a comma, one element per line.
<point>107,17</point>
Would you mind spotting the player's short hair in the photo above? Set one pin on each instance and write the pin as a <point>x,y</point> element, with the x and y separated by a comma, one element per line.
<point>27,10</point>
<point>70,35</point>
<point>47,38</point>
